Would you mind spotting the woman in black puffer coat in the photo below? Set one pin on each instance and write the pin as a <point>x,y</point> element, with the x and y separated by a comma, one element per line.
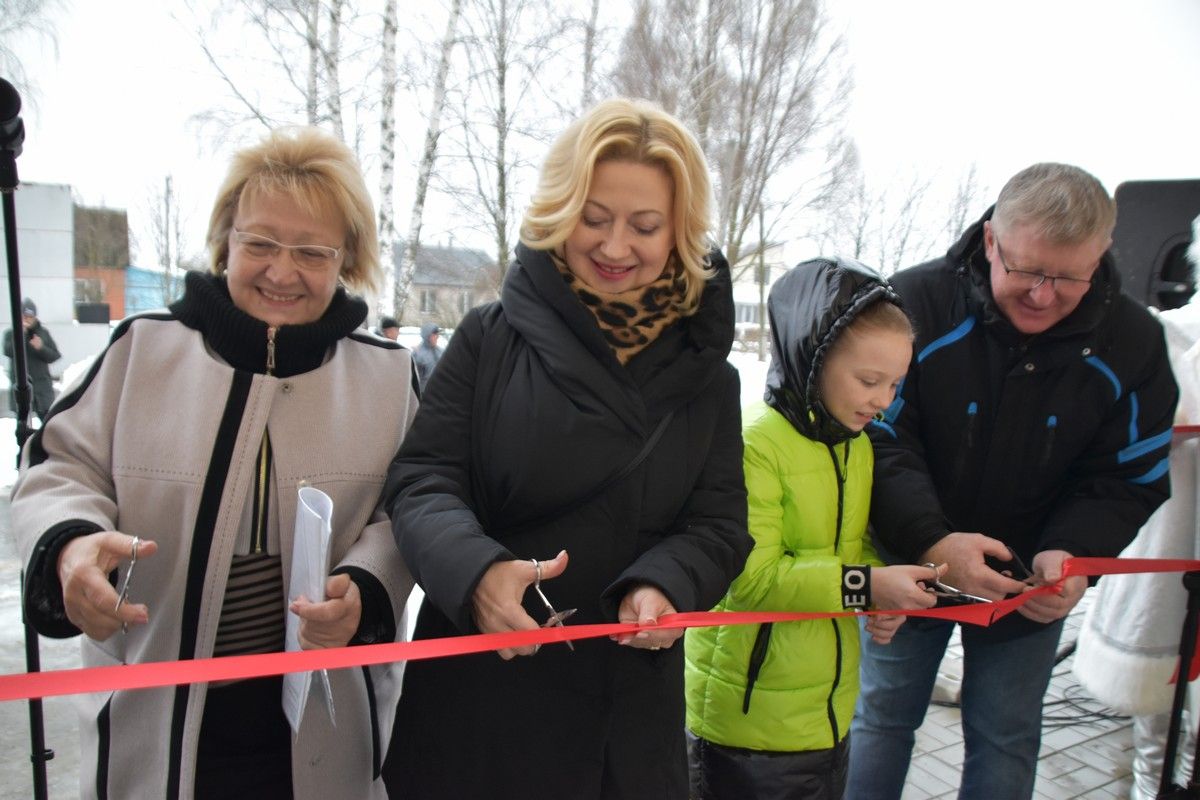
<point>606,349</point>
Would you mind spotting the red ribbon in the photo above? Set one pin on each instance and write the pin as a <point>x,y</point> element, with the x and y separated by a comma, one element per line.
<point>27,686</point>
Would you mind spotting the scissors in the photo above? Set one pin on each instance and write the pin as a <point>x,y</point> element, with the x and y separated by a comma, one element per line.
<point>556,617</point>
<point>124,595</point>
<point>947,594</point>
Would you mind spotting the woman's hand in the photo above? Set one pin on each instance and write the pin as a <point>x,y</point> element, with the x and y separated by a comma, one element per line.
<point>332,622</point>
<point>497,599</point>
<point>89,599</point>
<point>644,605</point>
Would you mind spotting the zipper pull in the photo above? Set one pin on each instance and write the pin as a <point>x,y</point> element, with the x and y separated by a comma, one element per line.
<point>1051,427</point>
<point>271,349</point>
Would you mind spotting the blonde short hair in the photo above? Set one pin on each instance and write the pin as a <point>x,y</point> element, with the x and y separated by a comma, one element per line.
<point>317,172</point>
<point>621,129</point>
<point>1063,204</point>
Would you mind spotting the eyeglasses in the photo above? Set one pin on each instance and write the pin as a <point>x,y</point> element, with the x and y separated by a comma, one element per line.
<point>313,257</point>
<point>1027,280</point>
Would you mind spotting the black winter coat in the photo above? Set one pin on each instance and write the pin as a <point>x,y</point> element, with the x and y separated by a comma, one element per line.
<point>37,364</point>
<point>1055,441</point>
<point>528,410</point>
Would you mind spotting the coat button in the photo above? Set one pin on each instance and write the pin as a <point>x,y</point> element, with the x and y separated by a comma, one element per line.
<point>287,388</point>
<point>1029,367</point>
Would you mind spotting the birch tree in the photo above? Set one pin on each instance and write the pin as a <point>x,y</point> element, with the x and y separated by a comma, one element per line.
<point>387,154</point>
<point>589,56</point>
<point>429,154</point>
<point>286,66</point>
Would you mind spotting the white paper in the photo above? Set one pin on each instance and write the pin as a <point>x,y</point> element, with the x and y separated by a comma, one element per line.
<point>310,567</point>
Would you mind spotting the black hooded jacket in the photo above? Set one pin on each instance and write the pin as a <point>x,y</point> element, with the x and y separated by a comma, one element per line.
<point>530,410</point>
<point>809,309</point>
<point>1053,441</point>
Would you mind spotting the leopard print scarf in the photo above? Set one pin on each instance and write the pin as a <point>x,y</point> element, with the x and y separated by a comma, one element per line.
<point>632,319</point>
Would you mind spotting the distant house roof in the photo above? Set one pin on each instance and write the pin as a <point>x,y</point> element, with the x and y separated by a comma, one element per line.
<point>447,266</point>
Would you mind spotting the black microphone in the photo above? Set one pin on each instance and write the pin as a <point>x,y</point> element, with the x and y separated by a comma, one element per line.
<point>12,130</point>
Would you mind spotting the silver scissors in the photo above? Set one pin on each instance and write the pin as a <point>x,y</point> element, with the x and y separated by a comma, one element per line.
<point>948,592</point>
<point>124,595</point>
<point>556,617</point>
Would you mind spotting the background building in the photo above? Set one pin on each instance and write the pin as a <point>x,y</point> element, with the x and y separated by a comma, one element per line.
<point>447,282</point>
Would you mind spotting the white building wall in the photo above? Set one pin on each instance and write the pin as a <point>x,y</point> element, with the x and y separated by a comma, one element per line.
<point>46,254</point>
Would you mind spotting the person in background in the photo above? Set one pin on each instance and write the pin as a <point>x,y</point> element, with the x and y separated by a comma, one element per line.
<point>427,353</point>
<point>40,353</point>
<point>590,414</point>
<point>1036,416</point>
<point>182,452</point>
<point>1127,652</point>
<point>389,328</point>
<point>769,705</point>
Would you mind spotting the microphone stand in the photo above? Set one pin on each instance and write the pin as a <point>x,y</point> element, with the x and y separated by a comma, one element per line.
<point>1167,788</point>
<point>13,135</point>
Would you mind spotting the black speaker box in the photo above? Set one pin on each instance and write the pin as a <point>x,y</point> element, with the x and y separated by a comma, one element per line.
<point>1150,242</point>
<point>92,312</point>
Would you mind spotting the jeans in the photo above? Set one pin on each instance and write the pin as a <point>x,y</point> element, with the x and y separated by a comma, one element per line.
<point>1003,684</point>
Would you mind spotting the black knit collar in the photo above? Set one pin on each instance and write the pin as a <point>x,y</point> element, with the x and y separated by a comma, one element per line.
<point>241,339</point>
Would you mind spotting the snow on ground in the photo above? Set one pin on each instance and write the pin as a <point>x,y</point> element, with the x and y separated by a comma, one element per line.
<point>753,373</point>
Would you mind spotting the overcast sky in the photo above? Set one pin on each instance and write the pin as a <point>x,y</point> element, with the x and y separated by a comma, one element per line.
<point>940,84</point>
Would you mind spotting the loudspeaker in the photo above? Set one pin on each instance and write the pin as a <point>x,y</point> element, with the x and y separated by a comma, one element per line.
<point>92,312</point>
<point>1150,242</point>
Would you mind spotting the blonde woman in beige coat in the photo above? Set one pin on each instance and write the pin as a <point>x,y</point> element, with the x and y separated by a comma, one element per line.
<point>185,445</point>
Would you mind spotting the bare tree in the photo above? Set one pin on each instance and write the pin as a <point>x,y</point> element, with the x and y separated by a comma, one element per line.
<point>882,227</point>
<point>429,154</point>
<point>20,18</point>
<point>967,203</point>
<point>761,84</point>
<point>300,41</point>
<point>166,228</point>
<point>387,152</point>
<point>509,48</point>
<point>331,54</point>
<point>589,56</point>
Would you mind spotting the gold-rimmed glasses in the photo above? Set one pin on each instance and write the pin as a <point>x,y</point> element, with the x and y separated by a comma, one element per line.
<point>315,257</point>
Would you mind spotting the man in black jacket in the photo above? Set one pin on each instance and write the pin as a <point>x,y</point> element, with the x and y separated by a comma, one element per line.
<point>40,353</point>
<point>1036,416</point>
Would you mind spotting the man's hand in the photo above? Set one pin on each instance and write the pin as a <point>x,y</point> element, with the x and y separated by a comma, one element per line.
<point>332,622</point>
<point>89,599</point>
<point>497,600</point>
<point>964,553</point>
<point>1047,570</point>
<point>35,342</point>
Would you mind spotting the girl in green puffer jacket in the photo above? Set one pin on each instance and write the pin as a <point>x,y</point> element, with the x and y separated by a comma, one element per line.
<point>769,706</point>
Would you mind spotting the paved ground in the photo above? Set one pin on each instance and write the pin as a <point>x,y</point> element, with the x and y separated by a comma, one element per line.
<point>1086,751</point>
<point>1084,755</point>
